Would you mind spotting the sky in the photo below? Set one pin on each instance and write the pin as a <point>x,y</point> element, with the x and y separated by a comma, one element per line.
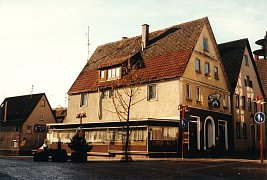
<point>43,43</point>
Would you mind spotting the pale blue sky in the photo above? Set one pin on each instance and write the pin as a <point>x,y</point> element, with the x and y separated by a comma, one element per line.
<point>43,42</point>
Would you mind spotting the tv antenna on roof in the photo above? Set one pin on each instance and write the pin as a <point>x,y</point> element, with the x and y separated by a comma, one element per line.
<point>88,43</point>
<point>31,91</point>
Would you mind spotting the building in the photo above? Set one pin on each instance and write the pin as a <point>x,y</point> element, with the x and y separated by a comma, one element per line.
<point>245,87</point>
<point>179,65</point>
<point>60,113</point>
<point>23,122</point>
<point>262,68</point>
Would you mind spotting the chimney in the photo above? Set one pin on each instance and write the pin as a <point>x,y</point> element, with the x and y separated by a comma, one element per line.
<point>256,57</point>
<point>124,38</point>
<point>145,36</point>
<point>5,113</point>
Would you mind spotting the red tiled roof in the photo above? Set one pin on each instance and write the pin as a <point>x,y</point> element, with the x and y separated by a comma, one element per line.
<point>262,69</point>
<point>166,56</point>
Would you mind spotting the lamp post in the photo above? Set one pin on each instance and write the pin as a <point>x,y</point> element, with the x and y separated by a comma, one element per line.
<point>81,116</point>
<point>183,109</point>
<point>260,118</point>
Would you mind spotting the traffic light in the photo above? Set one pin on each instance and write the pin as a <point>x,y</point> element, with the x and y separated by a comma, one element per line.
<point>263,44</point>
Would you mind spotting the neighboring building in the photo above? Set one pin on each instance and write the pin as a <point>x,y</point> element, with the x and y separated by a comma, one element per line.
<point>60,114</point>
<point>262,69</point>
<point>245,87</point>
<point>177,65</point>
<point>23,122</point>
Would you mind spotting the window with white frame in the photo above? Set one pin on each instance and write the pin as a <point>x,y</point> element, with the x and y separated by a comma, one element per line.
<point>198,94</point>
<point>114,73</point>
<point>102,74</point>
<point>187,91</point>
<point>84,99</point>
<point>151,92</point>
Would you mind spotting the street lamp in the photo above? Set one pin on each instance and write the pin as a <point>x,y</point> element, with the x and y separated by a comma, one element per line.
<point>81,115</point>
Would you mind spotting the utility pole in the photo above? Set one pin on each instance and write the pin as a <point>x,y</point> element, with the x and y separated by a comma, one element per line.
<point>260,118</point>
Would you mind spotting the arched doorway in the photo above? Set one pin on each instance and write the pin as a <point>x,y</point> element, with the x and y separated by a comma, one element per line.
<point>209,133</point>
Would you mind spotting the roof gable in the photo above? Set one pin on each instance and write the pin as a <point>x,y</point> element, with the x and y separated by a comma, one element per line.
<point>18,109</point>
<point>262,69</point>
<point>232,56</point>
<point>166,55</point>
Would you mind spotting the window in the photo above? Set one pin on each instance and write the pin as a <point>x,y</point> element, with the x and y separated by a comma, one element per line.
<point>151,92</point>
<point>225,100</point>
<point>198,65</point>
<point>237,101</point>
<point>42,116</point>
<point>249,104</point>
<point>243,98</point>
<point>237,130</point>
<point>111,93</point>
<point>104,94</point>
<point>29,129</point>
<point>216,72</point>
<point>42,103</point>
<point>205,44</point>
<point>198,94</point>
<point>207,69</point>
<point>245,131</point>
<point>187,91</point>
<point>246,59</point>
<point>83,101</point>
<point>248,82</point>
<point>114,73</point>
<point>102,74</point>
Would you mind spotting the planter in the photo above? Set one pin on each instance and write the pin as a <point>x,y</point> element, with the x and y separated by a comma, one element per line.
<point>78,156</point>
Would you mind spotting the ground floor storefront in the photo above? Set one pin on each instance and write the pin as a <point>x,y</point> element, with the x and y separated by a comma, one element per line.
<point>206,134</point>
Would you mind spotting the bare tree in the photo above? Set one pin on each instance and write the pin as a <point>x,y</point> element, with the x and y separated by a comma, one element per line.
<point>124,98</point>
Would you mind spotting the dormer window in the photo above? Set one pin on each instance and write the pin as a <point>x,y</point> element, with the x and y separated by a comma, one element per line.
<point>110,74</point>
<point>114,73</point>
<point>102,74</point>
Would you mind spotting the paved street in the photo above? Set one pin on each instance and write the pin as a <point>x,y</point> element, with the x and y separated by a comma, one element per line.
<point>25,168</point>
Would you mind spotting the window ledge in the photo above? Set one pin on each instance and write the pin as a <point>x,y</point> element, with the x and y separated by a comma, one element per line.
<point>151,100</point>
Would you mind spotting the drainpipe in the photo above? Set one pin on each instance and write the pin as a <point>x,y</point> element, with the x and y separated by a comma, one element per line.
<point>5,113</point>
